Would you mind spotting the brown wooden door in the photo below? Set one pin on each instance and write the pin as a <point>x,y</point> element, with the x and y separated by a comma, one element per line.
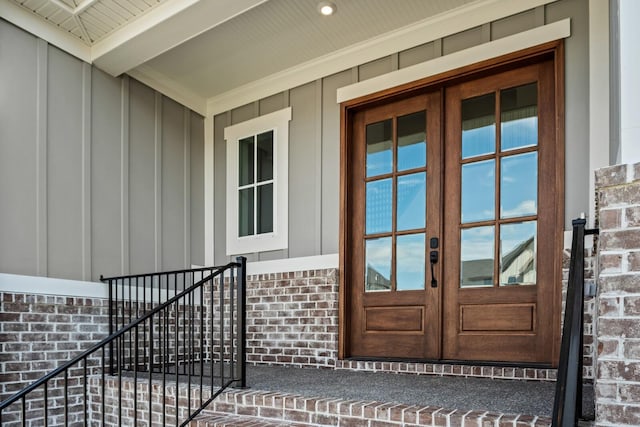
<point>500,227</point>
<point>472,170</point>
<point>396,191</point>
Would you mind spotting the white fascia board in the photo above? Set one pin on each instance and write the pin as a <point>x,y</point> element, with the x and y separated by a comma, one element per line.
<point>45,30</point>
<point>169,88</point>
<point>540,35</point>
<point>164,27</point>
<point>433,28</point>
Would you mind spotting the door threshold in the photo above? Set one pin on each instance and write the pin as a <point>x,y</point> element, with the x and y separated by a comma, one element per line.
<point>453,368</point>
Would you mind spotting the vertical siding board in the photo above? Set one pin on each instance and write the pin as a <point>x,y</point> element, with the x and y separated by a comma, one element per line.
<point>302,171</point>
<point>157,180</point>
<point>20,217</point>
<point>41,159</point>
<point>376,68</point>
<point>142,178</point>
<point>318,168</point>
<point>86,171</point>
<point>196,171</point>
<point>173,191</point>
<point>186,182</point>
<point>106,175</point>
<point>125,148</point>
<point>220,183</point>
<point>331,160</point>
<point>64,167</point>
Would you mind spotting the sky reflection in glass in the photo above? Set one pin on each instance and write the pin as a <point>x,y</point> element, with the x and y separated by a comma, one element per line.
<point>378,206</point>
<point>378,264</point>
<point>519,185</point>
<point>411,200</point>
<point>379,148</point>
<point>478,126</point>
<point>410,262</point>
<point>519,117</point>
<point>412,145</point>
<point>478,191</point>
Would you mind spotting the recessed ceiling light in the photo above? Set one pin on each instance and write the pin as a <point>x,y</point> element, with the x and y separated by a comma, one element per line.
<point>326,8</point>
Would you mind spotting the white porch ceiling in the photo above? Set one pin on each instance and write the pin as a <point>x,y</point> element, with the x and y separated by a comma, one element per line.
<point>206,48</point>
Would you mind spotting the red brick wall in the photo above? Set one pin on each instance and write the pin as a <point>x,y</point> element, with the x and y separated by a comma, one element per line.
<point>618,304</point>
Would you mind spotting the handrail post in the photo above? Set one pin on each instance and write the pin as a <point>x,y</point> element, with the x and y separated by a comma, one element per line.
<point>242,321</point>
<point>567,406</point>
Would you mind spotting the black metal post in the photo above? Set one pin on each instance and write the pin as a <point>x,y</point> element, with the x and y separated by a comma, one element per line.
<point>242,320</point>
<point>567,407</point>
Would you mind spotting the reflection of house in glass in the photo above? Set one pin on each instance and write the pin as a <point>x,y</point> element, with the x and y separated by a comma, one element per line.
<point>376,280</point>
<point>476,272</point>
<point>518,267</point>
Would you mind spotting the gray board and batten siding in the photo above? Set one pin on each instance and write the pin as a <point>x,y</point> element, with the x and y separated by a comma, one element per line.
<point>314,130</point>
<point>98,175</point>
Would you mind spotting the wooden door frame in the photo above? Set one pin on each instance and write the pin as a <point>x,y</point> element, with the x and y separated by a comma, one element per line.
<point>553,50</point>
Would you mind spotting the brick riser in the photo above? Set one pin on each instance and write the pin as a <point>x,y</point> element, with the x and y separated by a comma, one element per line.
<point>267,409</point>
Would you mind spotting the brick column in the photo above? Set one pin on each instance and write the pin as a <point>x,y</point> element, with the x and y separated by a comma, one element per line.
<point>618,305</point>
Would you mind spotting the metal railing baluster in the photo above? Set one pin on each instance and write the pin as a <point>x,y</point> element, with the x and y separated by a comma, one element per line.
<point>79,384</point>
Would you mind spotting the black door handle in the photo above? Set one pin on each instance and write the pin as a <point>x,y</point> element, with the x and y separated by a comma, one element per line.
<point>433,258</point>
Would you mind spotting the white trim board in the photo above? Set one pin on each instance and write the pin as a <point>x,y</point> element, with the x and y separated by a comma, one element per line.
<point>447,23</point>
<point>287,265</point>
<point>48,286</point>
<point>494,49</point>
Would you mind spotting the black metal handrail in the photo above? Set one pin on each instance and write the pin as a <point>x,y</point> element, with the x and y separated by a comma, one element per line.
<point>132,296</point>
<point>567,405</point>
<point>205,323</point>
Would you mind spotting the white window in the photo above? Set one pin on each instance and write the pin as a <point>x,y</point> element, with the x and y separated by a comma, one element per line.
<point>257,183</point>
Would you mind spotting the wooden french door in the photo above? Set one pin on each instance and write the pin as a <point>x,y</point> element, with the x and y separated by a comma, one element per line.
<point>452,222</point>
<point>396,310</point>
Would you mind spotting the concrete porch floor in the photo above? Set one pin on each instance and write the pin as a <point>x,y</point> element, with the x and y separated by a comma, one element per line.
<point>460,393</point>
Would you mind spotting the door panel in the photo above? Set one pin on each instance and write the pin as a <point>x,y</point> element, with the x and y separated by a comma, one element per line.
<point>499,272</point>
<point>395,184</point>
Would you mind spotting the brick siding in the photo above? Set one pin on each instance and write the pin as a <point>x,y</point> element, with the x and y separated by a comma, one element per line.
<point>292,318</point>
<point>618,304</point>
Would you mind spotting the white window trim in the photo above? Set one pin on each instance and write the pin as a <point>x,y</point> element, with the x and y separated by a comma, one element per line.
<point>277,121</point>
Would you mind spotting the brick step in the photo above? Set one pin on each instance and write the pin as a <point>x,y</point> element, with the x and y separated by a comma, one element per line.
<point>249,408</point>
<point>216,419</point>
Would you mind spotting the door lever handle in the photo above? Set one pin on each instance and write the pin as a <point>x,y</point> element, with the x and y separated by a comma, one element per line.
<point>433,258</point>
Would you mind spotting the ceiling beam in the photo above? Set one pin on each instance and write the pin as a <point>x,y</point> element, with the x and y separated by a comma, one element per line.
<point>168,25</point>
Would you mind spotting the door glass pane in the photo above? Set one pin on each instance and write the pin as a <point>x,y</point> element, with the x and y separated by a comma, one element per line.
<point>379,152</point>
<point>410,262</point>
<point>245,222</point>
<point>519,117</point>
<point>265,208</point>
<point>519,185</point>
<point>265,156</point>
<point>378,264</point>
<point>411,199</point>
<point>478,191</point>
<point>412,144</point>
<point>246,161</point>
<point>379,206</point>
<point>478,126</point>
<point>518,253</point>
<point>476,253</point>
